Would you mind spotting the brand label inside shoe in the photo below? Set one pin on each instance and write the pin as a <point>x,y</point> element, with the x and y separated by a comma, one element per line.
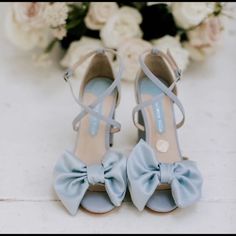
<point>94,122</point>
<point>158,113</point>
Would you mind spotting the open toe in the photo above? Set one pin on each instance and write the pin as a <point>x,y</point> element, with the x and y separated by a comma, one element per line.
<point>97,202</point>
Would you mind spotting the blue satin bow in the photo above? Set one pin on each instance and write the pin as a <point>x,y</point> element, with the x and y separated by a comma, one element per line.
<point>73,177</point>
<point>145,173</point>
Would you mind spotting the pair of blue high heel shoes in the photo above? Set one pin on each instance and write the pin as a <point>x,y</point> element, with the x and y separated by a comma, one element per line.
<point>96,177</point>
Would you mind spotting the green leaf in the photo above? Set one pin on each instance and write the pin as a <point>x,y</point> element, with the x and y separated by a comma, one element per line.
<point>73,24</point>
<point>218,9</point>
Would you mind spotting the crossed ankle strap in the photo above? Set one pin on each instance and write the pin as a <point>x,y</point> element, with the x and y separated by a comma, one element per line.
<point>116,126</point>
<point>166,90</point>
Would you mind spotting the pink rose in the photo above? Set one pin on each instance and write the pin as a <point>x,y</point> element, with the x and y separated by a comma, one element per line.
<point>29,14</point>
<point>207,34</point>
<point>25,25</point>
<point>204,39</point>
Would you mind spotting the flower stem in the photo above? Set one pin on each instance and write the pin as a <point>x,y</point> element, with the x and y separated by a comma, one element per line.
<point>50,46</point>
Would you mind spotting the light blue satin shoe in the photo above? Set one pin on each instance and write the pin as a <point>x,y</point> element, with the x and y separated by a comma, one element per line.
<point>93,176</point>
<point>158,176</point>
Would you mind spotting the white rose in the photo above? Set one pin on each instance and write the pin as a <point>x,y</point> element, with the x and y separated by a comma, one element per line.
<point>29,14</point>
<point>180,54</point>
<point>24,37</point>
<point>189,14</point>
<point>98,14</point>
<point>130,50</point>
<point>121,26</point>
<point>132,12</point>
<point>77,50</point>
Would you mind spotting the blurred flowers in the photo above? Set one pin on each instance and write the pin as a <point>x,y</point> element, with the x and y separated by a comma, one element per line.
<point>180,54</point>
<point>124,24</point>
<point>204,39</point>
<point>130,51</point>
<point>56,14</point>
<point>189,14</point>
<point>29,14</point>
<point>25,25</point>
<point>98,14</point>
<point>189,30</point>
<point>79,49</point>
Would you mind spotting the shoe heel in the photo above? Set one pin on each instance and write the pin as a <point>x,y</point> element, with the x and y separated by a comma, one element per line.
<point>141,134</point>
<point>111,136</point>
<point>111,139</point>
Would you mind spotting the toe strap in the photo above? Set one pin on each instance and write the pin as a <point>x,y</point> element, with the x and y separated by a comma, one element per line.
<point>73,178</point>
<point>145,174</point>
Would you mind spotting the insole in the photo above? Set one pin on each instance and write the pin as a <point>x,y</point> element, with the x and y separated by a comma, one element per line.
<point>160,123</point>
<point>91,137</point>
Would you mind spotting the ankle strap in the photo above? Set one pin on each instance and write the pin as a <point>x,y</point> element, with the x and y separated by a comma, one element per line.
<point>116,126</point>
<point>166,90</point>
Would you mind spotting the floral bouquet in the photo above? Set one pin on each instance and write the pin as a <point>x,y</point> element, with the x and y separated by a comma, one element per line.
<point>189,30</point>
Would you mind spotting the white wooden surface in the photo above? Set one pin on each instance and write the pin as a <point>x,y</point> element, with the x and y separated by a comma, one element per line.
<point>36,110</point>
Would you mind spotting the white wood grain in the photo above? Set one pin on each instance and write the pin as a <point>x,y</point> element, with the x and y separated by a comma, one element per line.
<point>50,217</point>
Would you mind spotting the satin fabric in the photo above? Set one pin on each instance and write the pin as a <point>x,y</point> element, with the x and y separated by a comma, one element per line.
<point>73,178</point>
<point>145,174</point>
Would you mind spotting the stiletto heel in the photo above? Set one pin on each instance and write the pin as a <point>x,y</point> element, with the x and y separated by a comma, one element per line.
<point>141,133</point>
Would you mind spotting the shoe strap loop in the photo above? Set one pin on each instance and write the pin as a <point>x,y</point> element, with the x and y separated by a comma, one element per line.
<point>168,91</point>
<point>116,126</point>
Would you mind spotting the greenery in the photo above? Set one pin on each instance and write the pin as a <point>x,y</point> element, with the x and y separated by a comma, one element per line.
<point>75,23</point>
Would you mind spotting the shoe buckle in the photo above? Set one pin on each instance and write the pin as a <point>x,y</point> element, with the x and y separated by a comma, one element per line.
<point>178,74</point>
<point>68,74</point>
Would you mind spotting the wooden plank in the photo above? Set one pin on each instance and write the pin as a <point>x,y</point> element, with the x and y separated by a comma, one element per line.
<point>50,217</point>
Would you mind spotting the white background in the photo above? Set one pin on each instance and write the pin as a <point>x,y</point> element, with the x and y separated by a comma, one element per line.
<point>36,110</point>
